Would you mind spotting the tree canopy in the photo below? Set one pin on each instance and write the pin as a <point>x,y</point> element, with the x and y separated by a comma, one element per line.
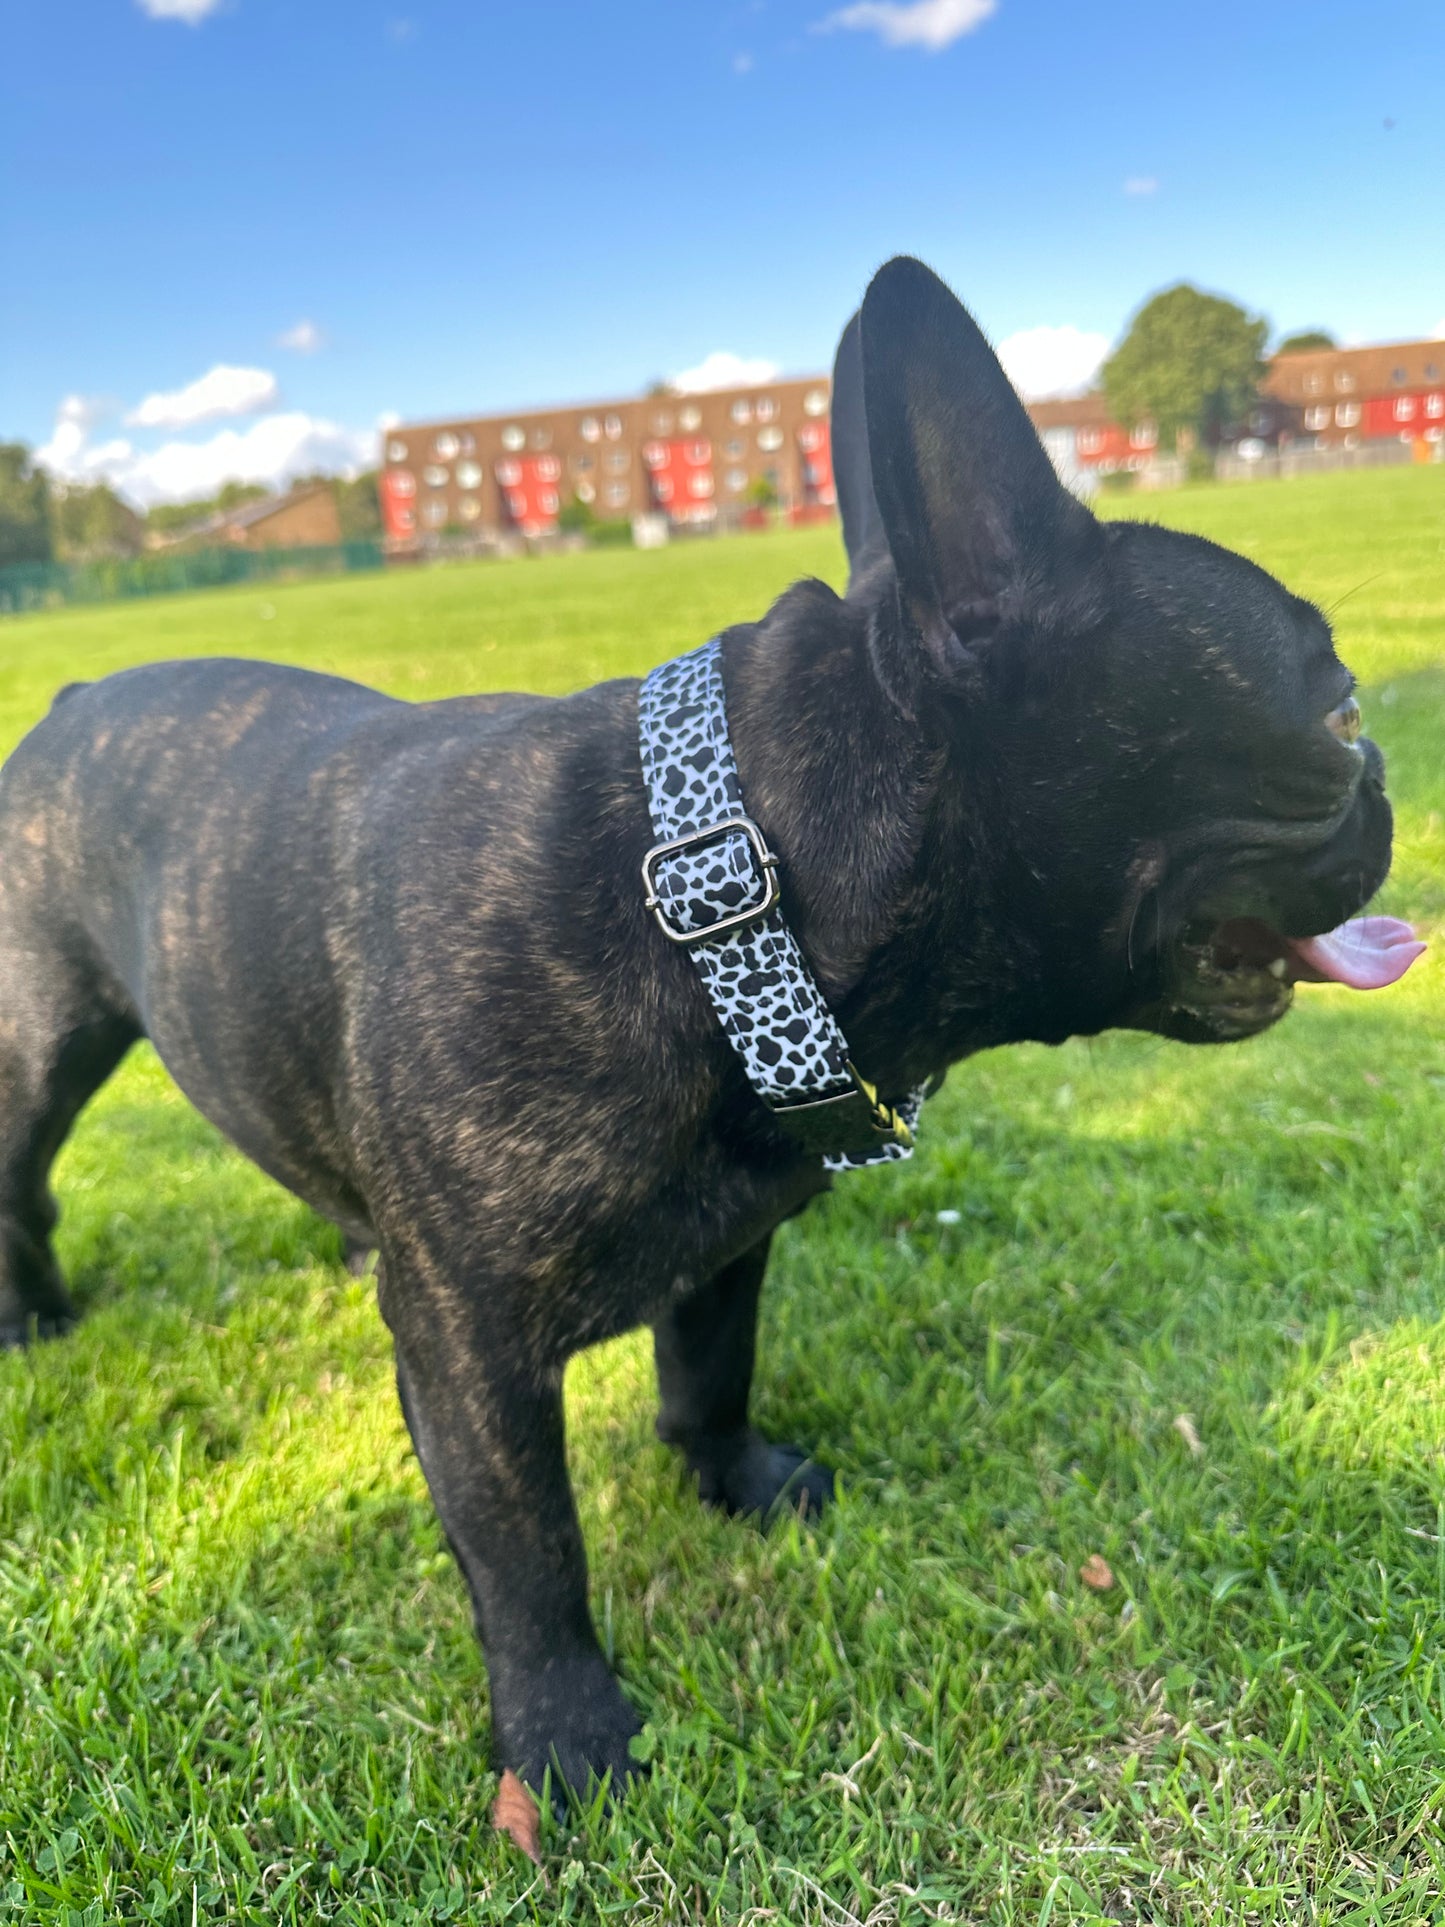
<point>92,522</point>
<point>1190,362</point>
<point>1306,338</point>
<point>24,507</point>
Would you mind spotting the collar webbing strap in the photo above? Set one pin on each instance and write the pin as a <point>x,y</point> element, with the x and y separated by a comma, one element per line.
<point>712,884</point>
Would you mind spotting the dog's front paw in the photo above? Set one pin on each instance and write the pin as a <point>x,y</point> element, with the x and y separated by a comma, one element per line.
<point>18,1332</point>
<point>571,1716</point>
<point>755,1477</point>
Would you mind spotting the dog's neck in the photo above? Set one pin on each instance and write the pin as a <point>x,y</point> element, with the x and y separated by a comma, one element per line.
<point>888,896</point>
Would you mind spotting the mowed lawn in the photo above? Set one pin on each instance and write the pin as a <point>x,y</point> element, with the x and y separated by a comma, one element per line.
<point>1183,1310</point>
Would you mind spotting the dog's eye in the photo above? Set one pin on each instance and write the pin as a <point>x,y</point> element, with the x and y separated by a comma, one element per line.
<point>1345,721</point>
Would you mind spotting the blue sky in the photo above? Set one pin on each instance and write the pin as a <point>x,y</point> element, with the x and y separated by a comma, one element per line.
<point>477,206</point>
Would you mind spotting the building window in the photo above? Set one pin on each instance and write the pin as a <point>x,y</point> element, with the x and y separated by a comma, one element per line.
<point>618,461</point>
<point>589,428</point>
<point>1313,384</point>
<point>689,419</point>
<point>583,462</point>
<point>699,486</point>
<point>405,521</point>
<point>469,508</point>
<point>612,427</point>
<point>446,445</point>
<point>737,480</point>
<point>509,473</point>
<point>662,487</point>
<point>548,501</point>
<point>1344,381</point>
<point>1434,407</point>
<point>1432,371</point>
<point>1398,376</point>
<point>1143,435</point>
<point>741,411</point>
<point>468,475</point>
<point>767,409</point>
<point>1347,413</point>
<point>1314,418</point>
<point>698,454</point>
<point>435,512</point>
<point>810,438</point>
<point>433,476</point>
<point>617,493</point>
<point>403,482</point>
<point>549,469</point>
<point>770,439</point>
<point>541,437</point>
<point>396,451</point>
<point>655,454</point>
<point>1404,408</point>
<point>469,443</point>
<point>662,422</point>
<point>513,437</point>
<point>815,402</point>
<point>586,492</point>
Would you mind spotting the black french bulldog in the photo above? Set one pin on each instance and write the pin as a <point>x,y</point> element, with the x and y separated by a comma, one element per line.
<point>1031,777</point>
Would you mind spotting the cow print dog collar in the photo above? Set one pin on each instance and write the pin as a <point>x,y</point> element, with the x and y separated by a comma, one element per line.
<point>712,884</point>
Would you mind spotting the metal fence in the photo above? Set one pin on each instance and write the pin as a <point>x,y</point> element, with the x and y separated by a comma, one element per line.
<point>41,585</point>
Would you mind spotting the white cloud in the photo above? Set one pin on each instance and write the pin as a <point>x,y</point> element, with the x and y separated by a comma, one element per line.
<point>304,339</point>
<point>722,369</point>
<point>1437,333</point>
<point>193,12</point>
<point>930,24</point>
<point>272,450</point>
<point>742,63</point>
<point>1052,361</point>
<point>221,391</point>
<point>1141,184</point>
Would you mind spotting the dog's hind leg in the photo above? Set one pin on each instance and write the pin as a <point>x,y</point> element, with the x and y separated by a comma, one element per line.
<point>59,1041</point>
<point>705,1347</point>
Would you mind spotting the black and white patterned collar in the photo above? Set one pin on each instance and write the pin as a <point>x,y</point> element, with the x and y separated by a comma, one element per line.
<point>712,884</point>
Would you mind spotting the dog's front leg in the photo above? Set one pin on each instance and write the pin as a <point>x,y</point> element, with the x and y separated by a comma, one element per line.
<point>490,1440</point>
<point>705,1345</point>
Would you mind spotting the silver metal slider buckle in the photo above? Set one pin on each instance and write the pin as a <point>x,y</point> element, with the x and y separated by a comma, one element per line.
<point>696,839</point>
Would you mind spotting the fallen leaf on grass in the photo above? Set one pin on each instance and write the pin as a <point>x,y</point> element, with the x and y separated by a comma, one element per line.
<point>516,1813</point>
<point>1184,1426</point>
<point>1095,1573</point>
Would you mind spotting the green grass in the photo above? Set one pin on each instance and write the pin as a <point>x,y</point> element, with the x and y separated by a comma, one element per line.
<point>237,1677</point>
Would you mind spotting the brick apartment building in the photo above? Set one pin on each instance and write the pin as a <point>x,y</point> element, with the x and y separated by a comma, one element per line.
<point>698,459</point>
<point>1342,397</point>
<point>1321,399</point>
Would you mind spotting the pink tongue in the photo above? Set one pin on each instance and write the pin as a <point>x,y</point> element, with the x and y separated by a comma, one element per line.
<point>1366,954</point>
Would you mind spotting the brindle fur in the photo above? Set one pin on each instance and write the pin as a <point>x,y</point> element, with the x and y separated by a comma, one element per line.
<point>399,955</point>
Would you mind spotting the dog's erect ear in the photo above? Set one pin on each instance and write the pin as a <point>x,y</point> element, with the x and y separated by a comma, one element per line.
<point>981,531</point>
<point>863,535</point>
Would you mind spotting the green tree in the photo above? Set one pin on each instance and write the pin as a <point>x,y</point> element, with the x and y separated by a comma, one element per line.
<point>1306,338</point>
<point>91,523</point>
<point>359,507</point>
<point>24,507</point>
<point>1190,363</point>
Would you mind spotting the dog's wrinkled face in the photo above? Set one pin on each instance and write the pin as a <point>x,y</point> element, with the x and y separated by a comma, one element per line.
<point>1270,827</point>
<point>1186,813</point>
